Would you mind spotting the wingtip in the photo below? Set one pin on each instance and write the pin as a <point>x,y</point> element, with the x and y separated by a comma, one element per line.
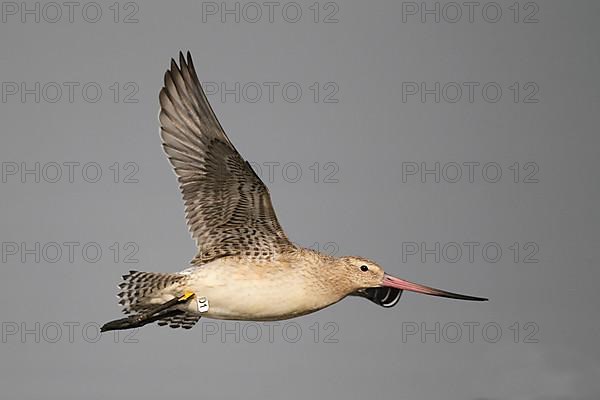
<point>190,63</point>
<point>174,66</point>
<point>185,60</point>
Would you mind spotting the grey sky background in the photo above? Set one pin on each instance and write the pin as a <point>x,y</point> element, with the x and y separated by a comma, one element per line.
<point>361,203</point>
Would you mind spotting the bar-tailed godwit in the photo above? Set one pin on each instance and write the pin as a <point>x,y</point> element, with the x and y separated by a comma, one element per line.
<point>246,268</point>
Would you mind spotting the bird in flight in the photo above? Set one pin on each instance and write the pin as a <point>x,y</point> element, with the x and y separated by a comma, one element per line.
<point>246,268</point>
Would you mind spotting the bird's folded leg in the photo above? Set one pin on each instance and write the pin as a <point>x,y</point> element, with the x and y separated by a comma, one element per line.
<point>154,314</point>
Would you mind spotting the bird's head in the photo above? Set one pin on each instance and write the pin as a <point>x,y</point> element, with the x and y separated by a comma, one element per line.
<point>361,273</point>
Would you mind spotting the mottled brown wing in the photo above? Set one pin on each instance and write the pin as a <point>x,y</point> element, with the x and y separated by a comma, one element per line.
<point>227,206</point>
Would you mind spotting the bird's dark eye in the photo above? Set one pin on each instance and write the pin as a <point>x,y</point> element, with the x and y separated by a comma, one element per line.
<point>364,268</point>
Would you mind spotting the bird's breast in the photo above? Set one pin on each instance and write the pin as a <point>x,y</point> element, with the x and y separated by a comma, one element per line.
<point>259,293</point>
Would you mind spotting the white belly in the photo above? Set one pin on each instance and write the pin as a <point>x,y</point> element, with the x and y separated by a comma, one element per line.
<point>241,292</point>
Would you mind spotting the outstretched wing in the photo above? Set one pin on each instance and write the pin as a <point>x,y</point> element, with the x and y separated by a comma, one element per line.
<point>227,206</point>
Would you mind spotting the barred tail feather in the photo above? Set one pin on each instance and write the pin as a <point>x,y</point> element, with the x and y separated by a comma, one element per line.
<point>138,289</point>
<point>183,320</point>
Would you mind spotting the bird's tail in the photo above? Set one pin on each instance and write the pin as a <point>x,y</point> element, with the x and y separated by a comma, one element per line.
<point>142,290</point>
<point>154,297</point>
